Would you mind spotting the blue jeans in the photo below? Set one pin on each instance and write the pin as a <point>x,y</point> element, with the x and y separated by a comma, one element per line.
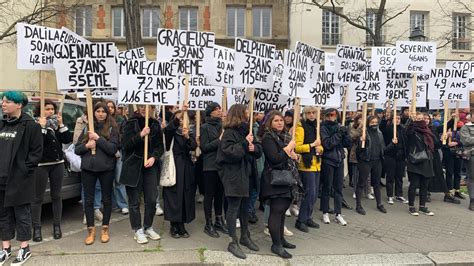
<point>119,197</point>
<point>97,196</point>
<point>311,189</point>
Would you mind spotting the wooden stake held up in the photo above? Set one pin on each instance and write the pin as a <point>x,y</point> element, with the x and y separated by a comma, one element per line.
<point>344,106</point>
<point>252,97</point>
<point>445,124</point>
<point>318,123</point>
<point>186,94</point>
<point>42,93</point>
<point>394,119</point>
<point>413,94</point>
<point>364,123</point>
<point>296,117</point>
<point>90,114</point>
<point>145,150</point>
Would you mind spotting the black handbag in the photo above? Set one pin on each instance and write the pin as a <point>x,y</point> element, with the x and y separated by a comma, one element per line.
<point>418,157</point>
<point>131,170</point>
<point>282,178</point>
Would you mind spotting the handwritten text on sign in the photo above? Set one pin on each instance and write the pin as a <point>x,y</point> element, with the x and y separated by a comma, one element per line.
<point>278,71</point>
<point>316,55</point>
<point>133,54</point>
<point>350,59</point>
<point>189,49</point>
<point>253,64</point>
<point>399,85</point>
<point>266,100</point>
<point>235,96</point>
<point>329,62</point>
<point>448,84</point>
<point>148,82</point>
<point>325,92</point>
<point>383,58</point>
<point>367,87</point>
<point>415,57</point>
<point>83,66</point>
<point>468,65</point>
<point>36,44</point>
<point>222,73</point>
<point>296,74</point>
<point>438,104</point>
<point>200,94</point>
<point>105,93</point>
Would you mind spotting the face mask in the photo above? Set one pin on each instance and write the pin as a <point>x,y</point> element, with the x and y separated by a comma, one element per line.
<point>374,127</point>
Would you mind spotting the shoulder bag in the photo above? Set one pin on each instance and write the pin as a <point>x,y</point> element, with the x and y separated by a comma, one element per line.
<point>417,157</point>
<point>168,168</point>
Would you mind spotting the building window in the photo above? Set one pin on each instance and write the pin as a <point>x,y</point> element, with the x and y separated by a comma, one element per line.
<point>235,21</point>
<point>331,28</point>
<point>418,19</point>
<point>118,22</point>
<point>83,20</point>
<point>371,18</point>
<point>461,34</point>
<point>150,21</point>
<point>262,22</point>
<point>188,18</point>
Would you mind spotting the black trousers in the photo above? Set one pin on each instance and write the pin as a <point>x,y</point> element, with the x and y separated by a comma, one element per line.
<point>374,169</point>
<point>276,220</point>
<point>332,177</point>
<point>417,181</point>
<point>237,205</point>
<point>15,218</point>
<point>89,180</point>
<point>452,164</point>
<point>148,184</point>
<point>55,175</point>
<point>213,193</point>
<point>395,171</point>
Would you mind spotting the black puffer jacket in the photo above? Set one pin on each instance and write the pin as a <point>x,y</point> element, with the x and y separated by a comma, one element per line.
<point>52,143</point>
<point>210,132</point>
<point>364,154</point>
<point>334,139</point>
<point>397,151</point>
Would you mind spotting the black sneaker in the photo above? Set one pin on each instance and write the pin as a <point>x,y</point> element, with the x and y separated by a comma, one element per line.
<point>301,226</point>
<point>311,223</point>
<point>426,211</point>
<point>413,211</point>
<point>360,210</point>
<point>382,209</point>
<point>459,195</point>
<point>449,198</point>
<point>5,254</point>
<point>23,255</point>
<point>253,219</point>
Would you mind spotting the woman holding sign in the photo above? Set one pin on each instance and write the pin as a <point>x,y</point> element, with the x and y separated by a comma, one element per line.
<point>99,166</point>
<point>233,159</point>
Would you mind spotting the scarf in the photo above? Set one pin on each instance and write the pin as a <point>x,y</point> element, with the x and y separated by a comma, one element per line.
<point>422,128</point>
<point>51,122</point>
<point>309,137</point>
<point>243,129</point>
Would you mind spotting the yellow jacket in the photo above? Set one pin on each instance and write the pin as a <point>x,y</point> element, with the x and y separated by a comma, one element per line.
<point>304,148</point>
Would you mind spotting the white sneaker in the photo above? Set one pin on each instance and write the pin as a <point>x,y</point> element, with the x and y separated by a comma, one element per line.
<point>151,234</point>
<point>288,213</point>
<point>200,198</point>
<point>266,231</point>
<point>84,220</point>
<point>390,200</point>
<point>140,236</point>
<point>287,232</point>
<point>354,195</point>
<point>402,200</point>
<point>295,210</point>
<point>340,220</point>
<point>98,215</point>
<point>370,196</point>
<point>159,211</point>
<point>124,211</point>
<point>237,224</point>
<point>326,219</point>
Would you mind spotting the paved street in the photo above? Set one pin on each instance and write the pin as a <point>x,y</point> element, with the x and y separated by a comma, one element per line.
<point>395,237</point>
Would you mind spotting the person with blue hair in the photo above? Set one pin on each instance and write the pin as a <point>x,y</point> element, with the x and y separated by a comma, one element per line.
<point>19,135</point>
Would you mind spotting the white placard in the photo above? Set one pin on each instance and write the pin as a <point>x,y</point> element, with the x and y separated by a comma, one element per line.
<point>222,73</point>
<point>200,94</point>
<point>315,54</point>
<point>383,58</point>
<point>399,85</point>
<point>329,62</point>
<point>368,87</point>
<point>469,65</point>
<point>421,92</point>
<point>191,50</point>
<point>235,96</point>
<point>448,84</point>
<point>415,57</point>
<point>253,64</point>
<point>325,93</point>
<point>133,54</point>
<point>278,71</point>
<point>350,59</point>
<point>72,37</point>
<point>296,75</point>
<point>437,104</point>
<point>148,82</point>
<point>266,100</point>
<point>105,93</point>
<point>86,66</point>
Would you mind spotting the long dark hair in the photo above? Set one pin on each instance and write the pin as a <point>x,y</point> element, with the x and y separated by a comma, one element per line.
<point>37,111</point>
<point>109,123</point>
<point>236,116</point>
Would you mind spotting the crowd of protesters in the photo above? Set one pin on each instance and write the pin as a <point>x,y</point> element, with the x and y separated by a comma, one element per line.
<point>284,164</point>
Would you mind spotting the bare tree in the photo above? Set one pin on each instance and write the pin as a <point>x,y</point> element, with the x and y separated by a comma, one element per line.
<point>133,29</point>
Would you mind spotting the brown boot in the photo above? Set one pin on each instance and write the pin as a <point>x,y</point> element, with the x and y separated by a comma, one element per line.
<point>90,239</point>
<point>104,237</point>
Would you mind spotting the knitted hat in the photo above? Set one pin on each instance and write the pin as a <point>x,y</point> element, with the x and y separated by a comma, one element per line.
<point>211,107</point>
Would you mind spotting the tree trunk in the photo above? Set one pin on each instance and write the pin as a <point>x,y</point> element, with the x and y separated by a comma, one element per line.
<point>133,32</point>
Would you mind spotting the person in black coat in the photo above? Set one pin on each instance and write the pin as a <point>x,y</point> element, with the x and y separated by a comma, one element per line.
<point>22,150</point>
<point>370,160</point>
<point>51,167</point>
<point>420,140</point>
<point>280,155</point>
<point>214,190</point>
<point>99,166</point>
<point>236,151</point>
<point>138,176</point>
<point>179,200</point>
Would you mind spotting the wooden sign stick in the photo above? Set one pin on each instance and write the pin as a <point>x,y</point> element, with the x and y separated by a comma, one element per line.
<point>42,93</point>
<point>394,119</point>
<point>318,124</point>
<point>413,94</point>
<point>61,105</point>
<point>344,106</point>
<point>252,97</point>
<point>163,113</point>
<point>186,93</point>
<point>198,126</point>
<point>445,124</point>
<point>224,100</point>
<point>90,113</point>
<point>364,123</point>
<point>145,150</point>
<point>296,116</point>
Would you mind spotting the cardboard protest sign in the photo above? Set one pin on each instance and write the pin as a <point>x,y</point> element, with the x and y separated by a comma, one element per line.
<point>366,87</point>
<point>148,82</point>
<point>222,73</point>
<point>421,92</point>
<point>235,96</point>
<point>72,37</point>
<point>330,62</point>
<point>350,59</point>
<point>399,85</point>
<point>415,57</point>
<point>253,64</point>
<point>106,93</point>
<point>438,104</point>
<point>325,92</point>
<point>200,94</point>
<point>265,100</point>
<point>133,54</point>
<point>315,54</point>
<point>468,65</point>
<point>296,74</point>
<point>448,84</point>
<point>383,58</point>
<point>189,49</point>
<point>36,45</point>
<point>84,66</point>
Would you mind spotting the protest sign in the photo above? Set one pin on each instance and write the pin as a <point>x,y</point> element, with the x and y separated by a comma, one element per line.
<point>36,45</point>
<point>367,87</point>
<point>421,92</point>
<point>278,71</point>
<point>438,104</point>
<point>329,62</point>
<point>296,75</point>
<point>253,64</point>
<point>72,37</point>
<point>315,54</point>
<point>148,82</point>
<point>200,94</point>
<point>83,66</point>
<point>350,59</point>
<point>415,57</point>
<point>265,100</point>
<point>235,96</point>
<point>468,65</point>
<point>106,93</point>
<point>325,92</point>
<point>222,73</point>
<point>189,49</point>
<point>383,58</point>
<point>399,85</point>
<point>133,54</point>
<point>448,84</point>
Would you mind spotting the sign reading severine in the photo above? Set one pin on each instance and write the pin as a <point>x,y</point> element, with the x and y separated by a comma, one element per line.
<point>199,93</point>
<point>189,49</point>
<point>84,66</point>
<point>222,73</point>
<point>253,64</point>
<point>415,57</point>
<point>148,82</point>
<point>350,59</point>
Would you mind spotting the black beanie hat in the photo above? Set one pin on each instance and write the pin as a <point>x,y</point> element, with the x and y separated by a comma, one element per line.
<point>211,107</point>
